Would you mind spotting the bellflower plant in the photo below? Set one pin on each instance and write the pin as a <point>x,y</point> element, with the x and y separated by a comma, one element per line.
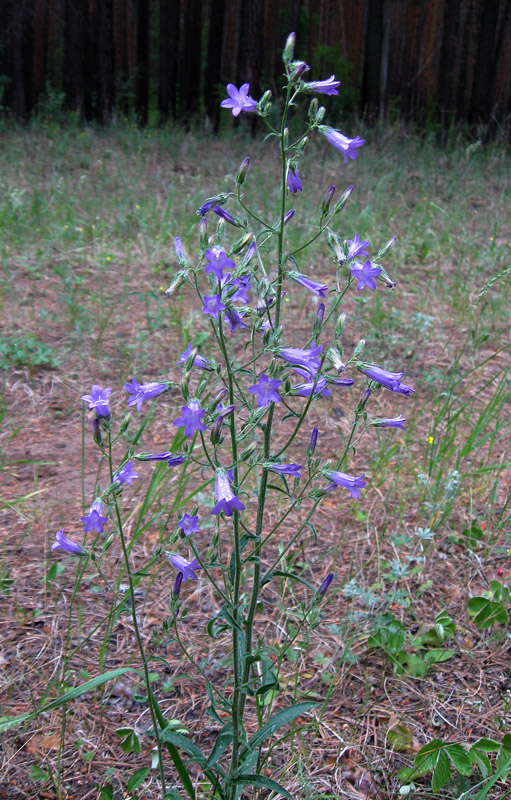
<point>240,423</point>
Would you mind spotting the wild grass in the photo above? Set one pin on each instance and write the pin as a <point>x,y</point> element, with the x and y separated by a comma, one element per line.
<point>87,222</point>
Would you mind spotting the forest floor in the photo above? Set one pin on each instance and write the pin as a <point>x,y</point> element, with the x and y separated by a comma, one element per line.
<point>395,661</point>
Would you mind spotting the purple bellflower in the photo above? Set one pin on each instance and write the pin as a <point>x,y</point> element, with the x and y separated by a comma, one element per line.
<point>189,524</point>
<point>348,147</point>
<point>233,317</point>
<point>98,400</point>
<point>350,482</point>
<point>396,422</point>
<point>365,275</point>
<point>306,389</point>
<point>126,474</point>
<point>319,289</point>
<point>289,216</point>
<point>227,502</point>
<point>199,361</point>
<point>186,568</point>
<point>266,390</point>
<point>293,179</point>
<point>285,469</point>
<point>168,456</point>
<point>328,86</point>
<point>390,380</point>
<point>242,286</point>
<point>94,519</point>
<point>63,543</point>
<point>191,418</point>
<point>303,358</point>
<point>143,391</point>
<point>213,306</point>
<point>239,99</point>
<point>356,247</point>
<point>217,262</point>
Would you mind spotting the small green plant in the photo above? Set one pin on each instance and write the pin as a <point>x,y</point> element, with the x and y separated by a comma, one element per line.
<point>409,653</point>
<point>26,350</point>
<point>485,610</point>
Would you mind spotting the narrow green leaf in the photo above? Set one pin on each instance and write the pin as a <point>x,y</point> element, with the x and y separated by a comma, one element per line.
<point>260,780</point>
<point>442,772</point>
<point>278,721</point>
<point>222,742</point>
<point>137,778</point>
<point>459,758</point>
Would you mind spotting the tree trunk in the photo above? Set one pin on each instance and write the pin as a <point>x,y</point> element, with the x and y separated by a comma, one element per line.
<point>142,61</point>
<point>214,62</point>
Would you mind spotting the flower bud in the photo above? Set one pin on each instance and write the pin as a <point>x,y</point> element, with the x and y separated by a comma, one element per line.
<point>386,248</point>
<point>242,171</point>
<point>181,258</point>
<point>363,401</point>
<point>339,325</point>
<point>318,322</point>
<point>216,430</point>
<point>289,49</point>
<point>222,394</point>
<point>343,200</point>
<point>290,214</point>
<point>178,281</point>
<point>299,67</point>
<point>177,584</point>
<point>358,349</point>
<point>313,109</point>
<point>264,102</point>
<point>321,113</point>
<point>326,583</point>
<point>185,392</point>
<point>313,442</point>
<point>223,214</point>
<point>203,233</point>
<point>327,199</point>
<point>245,455</point>
<point>286,138</point>
<point>303,144</point>
<point>240,244</point>
<point>96,431</point>
<point>247,258</point>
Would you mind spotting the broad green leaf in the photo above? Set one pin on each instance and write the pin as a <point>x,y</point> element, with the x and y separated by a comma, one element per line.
<point>486,612</point>
<point>276,722</point>
<point>486,745</point>
<point>260,780</point>
<point>442,771</point>
<point>460,758</point>
<point>183,743</point>
<point>137,778</point>
<point>426,758</point>
<point>72,694</point>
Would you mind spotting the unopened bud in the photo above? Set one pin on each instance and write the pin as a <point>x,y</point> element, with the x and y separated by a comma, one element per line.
<point>245,455</point>
<point>318,322</point>
<point>177,584</point>
<point>247,258</point>
<point>216,430</point>
<point>321,113</point>
<point>326,583</point>
<point>327,199</point>
<point>313,441</point>
<point>358,349</point>
<point>203,233</point>
<point>240,245</point>
<point>185,392</point>
<point>343,200</point>
<point>363,401</point>
<point>242,171</point>
<point>223,214</point>
<point>286,138</point>
<point>299,67</point>
<point>339,325</point>
<point>218,399</point>
<point>178,247</point>
<point>264,102</point>
<point>313,109</point>
<point>303,144</point>
<point>289,49</point>
<point>290,214</point>
<point>96,431</point>
<point>386,248</point>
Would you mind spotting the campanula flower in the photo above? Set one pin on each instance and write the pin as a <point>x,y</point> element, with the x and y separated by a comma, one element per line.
<point>341,142</point>
<point>326,583</point>
<point>356,247</point>
<point>304,358</point>
<point>350,482</point>
<point>98,400</point>
<point>213,305</point>
<point>143,391</point>
<point>191,418</point>
<point>217,262</point>
<point>396,422</point>
<point>236,288</point>
<point>319,289</point>
<point>365,275</point>
<point>293,179</point>
<point>328,86</point>
<point>233,317</point>
<point>186,568</point>
<point>285,469</point>
<point>63,543</point>
<point>126,474</point>
<point>266,390</point>
<point>227,502</point>
<point>390,380</point>
<point>189,524</point>
<point>94,519</point>
<point>306,389</point>
<point>289,216</point>
<point>239,99</point>
<point>199,361</point>
<point>225,215</point>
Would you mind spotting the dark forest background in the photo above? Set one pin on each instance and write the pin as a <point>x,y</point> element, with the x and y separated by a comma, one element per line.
<point>431,62</point>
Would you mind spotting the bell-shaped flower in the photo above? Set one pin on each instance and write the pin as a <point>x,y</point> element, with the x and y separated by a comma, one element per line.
<point>94,519</point>
<point>140,392</point>
<point>348,147</point>
<point>186,568</point>
<point>266,390</point>
<point>98,400</point>
<point>63,543</point>
<point>191,418</point>
<point>350,482</point>
<point>227,502</point>
<point>239,99</point>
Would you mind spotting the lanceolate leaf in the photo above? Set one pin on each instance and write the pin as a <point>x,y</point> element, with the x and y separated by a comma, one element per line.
<point>260,780</point>
<point>276,722</point>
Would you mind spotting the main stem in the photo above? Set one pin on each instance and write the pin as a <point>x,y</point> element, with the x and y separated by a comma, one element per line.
<point>131,591</point>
